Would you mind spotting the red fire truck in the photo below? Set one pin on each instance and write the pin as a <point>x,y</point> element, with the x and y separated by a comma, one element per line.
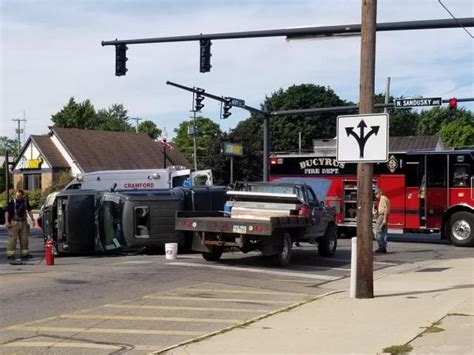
<point>430,191</point>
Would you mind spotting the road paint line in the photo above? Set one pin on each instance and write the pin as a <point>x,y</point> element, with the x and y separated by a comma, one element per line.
<point>349,260</point>
<point>259,271</point>
<point>243,324</point>
<point>50,344</point>
<point>296,281</point>
<point>256,292</point>
<point>148,318</point>
<point>105,330</point>
<point>179,308</point>
<point>209,299</point>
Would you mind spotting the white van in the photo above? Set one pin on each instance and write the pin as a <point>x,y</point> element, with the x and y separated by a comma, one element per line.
<point>142,179</point>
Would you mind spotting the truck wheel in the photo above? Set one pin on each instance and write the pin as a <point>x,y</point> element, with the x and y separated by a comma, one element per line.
<point>214,255</point>
<point>461,229</point>
<point>284,255</point>
<point>327,245</point>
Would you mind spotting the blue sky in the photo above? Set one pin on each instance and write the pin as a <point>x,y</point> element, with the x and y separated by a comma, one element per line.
<point>50,51</point>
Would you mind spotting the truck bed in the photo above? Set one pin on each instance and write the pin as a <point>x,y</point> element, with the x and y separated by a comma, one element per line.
<point>217,222</point>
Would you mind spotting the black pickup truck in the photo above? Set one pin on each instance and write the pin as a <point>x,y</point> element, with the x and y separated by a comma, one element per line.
<point>268,217</point>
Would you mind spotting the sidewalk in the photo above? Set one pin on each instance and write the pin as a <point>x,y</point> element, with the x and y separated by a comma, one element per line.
<point>408,299</point>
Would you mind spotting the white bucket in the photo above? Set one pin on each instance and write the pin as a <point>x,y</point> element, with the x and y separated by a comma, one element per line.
<point>171,251</point>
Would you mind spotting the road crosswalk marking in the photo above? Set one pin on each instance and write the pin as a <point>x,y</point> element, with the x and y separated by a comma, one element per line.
<point>148,318</point>
<point>56,344</point>
<point>104,330</point>
<point>256,291</point>
<point>209,299</point>
<point>182,308</point>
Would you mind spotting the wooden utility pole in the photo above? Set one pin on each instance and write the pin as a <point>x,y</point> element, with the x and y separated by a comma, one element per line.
<point>365,272</point>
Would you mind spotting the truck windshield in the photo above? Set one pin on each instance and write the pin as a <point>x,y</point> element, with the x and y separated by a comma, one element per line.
<point>110,222</point>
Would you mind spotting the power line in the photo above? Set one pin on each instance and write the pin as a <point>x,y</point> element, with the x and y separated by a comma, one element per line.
<point>455,19</point>
<point>459,87</point>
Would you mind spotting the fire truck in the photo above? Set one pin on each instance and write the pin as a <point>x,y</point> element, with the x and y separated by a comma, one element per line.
<point>429,191</point>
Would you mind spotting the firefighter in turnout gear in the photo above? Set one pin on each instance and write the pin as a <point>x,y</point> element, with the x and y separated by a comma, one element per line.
<point>16,223</point>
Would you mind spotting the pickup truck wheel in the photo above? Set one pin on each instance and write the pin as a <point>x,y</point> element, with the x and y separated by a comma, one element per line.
<point>214,255</point>
<point>461,229</point>
<point>327,245</point>
<point>284,255</point>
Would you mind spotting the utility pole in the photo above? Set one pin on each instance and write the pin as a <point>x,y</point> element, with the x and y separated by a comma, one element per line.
<point>7,176</point>
<point>19,131</point>
<point>365,277</point>
<point>194,134</point>
<point>136,125</point>
<point>387,94</point>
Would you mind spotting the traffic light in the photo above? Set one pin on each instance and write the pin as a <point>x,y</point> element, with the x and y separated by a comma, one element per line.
<point>121,59</point>
<point>453,107</point>
<point>205,57</point>
<point>227,106</point>
<point>199,98</point>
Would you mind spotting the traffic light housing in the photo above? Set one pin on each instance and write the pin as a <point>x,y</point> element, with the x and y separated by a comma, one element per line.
<point>205,57</point>
<point>121,59</point>
<point>453,107</point>
<point>199,99</point>
<point>226,107</point>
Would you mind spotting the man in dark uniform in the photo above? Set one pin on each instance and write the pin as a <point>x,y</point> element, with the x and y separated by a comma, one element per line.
<point>16,222</point>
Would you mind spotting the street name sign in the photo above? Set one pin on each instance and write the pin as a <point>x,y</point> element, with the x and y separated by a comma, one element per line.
<point>362,138</point>
<point>418,102</point>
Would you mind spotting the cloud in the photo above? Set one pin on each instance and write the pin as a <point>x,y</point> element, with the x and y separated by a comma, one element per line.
<point>51,51</point>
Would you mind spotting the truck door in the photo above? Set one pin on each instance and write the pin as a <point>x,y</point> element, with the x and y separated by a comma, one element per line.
<point>317,211</point>
<point>436,189</point>
<point>202,178</point>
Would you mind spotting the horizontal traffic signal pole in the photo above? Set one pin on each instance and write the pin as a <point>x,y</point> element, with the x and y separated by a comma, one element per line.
<point>350,108</point>
<point>323,31</point>
<point>215,97</point>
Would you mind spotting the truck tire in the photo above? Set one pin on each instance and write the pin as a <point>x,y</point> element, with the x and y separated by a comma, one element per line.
<point>327,245</point>
<point>284,255</point>
<point>461,229</point>
<point>214,255</point>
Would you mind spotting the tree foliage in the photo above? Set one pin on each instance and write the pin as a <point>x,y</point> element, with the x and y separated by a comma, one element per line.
<point>83,115</point>
<point>8,144</point>
<point>459,132</point>
<point>207,133</point>
<point>150,129</point>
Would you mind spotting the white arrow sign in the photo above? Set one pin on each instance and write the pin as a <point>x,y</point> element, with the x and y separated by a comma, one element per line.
<point>362,138</point>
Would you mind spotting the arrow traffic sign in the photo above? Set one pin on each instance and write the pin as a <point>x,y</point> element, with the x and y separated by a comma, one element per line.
<point>362,138</point>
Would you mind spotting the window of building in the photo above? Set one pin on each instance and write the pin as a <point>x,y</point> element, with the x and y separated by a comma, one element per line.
<point>31,182</point>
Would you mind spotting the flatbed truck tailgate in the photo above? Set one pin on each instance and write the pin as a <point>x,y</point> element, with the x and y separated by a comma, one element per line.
<point>216,222</point>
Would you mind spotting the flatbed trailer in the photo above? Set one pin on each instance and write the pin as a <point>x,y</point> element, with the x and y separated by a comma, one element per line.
<point>212,232</point>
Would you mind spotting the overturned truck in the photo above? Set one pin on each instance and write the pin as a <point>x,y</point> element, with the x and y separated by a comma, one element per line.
<point>89,221</point>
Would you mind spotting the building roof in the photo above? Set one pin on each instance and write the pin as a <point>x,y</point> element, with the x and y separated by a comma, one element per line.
<point>49,151</point>
<point>396,144</point>
<point>106,150</point>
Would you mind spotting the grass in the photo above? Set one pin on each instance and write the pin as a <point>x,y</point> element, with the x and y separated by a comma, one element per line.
<point>433,328</point>
<point>398,349</point>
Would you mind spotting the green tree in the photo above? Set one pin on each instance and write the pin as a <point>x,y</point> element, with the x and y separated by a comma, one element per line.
<point>112,119</point>
<point>284,130</point>
<point>403,122</point>
<point>431,121</point>
<point>207,133</point>
<point>76,115</point>
<point>459,132</point>
<point>83,115</point>
<point>8,144</point>
<point>149,128</point>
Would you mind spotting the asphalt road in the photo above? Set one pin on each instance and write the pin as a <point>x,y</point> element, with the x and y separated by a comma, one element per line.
<point>142,303</point>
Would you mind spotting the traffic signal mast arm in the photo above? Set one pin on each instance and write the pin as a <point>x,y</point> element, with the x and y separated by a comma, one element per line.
<point>323,31</point>
<point>218,98</point>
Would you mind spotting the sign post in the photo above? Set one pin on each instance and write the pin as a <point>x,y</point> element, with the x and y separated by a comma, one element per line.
<point>232,150</point>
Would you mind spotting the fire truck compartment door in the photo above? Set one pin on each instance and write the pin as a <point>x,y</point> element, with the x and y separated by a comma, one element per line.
<point>393,186</point>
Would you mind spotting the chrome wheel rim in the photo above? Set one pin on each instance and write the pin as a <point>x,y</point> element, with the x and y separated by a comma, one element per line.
<point>461,230</point>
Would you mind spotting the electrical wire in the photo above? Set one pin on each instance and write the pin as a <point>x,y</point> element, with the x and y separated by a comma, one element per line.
<point>455,19</point>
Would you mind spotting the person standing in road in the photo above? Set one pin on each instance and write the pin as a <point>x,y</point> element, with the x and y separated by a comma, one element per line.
<point>383,210</point>
<point>16,222</point>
